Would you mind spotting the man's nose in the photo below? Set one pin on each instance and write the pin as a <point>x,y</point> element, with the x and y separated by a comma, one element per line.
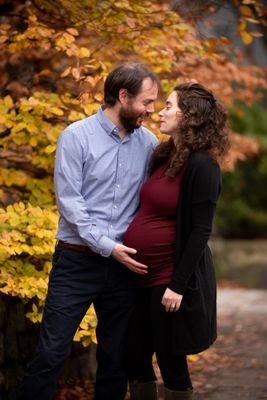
<point>150,108</point>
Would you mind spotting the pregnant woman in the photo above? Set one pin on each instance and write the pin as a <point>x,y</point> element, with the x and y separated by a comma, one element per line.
<point>176,310</point>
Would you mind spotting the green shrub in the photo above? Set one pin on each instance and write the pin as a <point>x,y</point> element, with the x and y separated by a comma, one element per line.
<point>242,209</point>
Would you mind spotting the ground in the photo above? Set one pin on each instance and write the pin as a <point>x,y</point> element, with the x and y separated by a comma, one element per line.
<point>235,367</point>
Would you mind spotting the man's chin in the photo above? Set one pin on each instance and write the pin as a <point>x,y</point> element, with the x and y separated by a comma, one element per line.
<point>133,127</point>
<point>139,122</point>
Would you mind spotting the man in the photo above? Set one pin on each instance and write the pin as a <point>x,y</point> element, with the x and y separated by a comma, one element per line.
<point>101,163</point>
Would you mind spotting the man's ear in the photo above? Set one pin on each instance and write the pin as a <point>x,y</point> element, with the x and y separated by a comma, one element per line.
<point>123,96</point>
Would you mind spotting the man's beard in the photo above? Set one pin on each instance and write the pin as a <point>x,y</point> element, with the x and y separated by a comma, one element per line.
<point>129,119</point>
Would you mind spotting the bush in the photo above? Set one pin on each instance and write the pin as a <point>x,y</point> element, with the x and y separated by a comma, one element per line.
<point>242,209</point>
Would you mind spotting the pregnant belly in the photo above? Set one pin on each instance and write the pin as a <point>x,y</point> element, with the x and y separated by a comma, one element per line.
<point>154,241</point>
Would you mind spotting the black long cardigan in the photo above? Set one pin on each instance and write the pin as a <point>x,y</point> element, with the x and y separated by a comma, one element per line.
<point>194,326</point>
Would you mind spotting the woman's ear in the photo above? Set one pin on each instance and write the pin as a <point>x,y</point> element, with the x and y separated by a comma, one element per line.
<point>178,115</point>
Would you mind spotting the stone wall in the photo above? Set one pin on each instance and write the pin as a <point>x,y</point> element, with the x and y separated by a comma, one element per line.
<point>241,261</point>
<point>18,339</point>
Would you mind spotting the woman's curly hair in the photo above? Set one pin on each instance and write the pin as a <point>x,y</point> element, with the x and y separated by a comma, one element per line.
<point>202,127</point>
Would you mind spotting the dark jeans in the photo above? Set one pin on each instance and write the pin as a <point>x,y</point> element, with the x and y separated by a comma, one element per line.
<point>150,332</point>
<point>77,280</point>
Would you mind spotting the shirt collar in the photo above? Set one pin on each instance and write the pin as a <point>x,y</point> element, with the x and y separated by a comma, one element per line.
<point>105,122</point>
<point>108,125</point>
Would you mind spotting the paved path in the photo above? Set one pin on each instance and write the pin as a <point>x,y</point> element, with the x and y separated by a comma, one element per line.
<point>235,368</point>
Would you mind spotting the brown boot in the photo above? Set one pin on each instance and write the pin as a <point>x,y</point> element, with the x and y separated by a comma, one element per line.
<point>143,390</point>
<point>178,395</point>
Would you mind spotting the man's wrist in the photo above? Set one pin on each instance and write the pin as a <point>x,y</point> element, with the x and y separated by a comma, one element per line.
<point>106,246</point>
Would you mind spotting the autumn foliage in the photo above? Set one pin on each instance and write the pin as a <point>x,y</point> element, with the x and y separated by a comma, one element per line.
<point>54,57</point>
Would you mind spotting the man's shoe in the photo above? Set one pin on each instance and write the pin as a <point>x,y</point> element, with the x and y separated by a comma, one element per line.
<point>143,390</point>
<point>178,395</point>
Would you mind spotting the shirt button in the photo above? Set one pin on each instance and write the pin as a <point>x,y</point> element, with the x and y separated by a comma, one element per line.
<point>118,186</point>
<point>120,164</point>
<point>115,207</point>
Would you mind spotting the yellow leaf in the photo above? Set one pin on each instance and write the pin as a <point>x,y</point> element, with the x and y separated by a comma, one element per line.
<point>51,148</point>
<point>90,108</point>
<point>84,52</point>
<point>32,128</point>
<point>19,206</point>
<point>242,26</point>
<point>56,111</point>
<point>68,38</point>
<point>193,357</point>
<point>155,117</point>
<point>33,141</point>
<point>19,127</point>
<point>246,37</point>
<point>8,101</point>
<point>86,342</point>
<point>33,101</point>
<point>75,116</point>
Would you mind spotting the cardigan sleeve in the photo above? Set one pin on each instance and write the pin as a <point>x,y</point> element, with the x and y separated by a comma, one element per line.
<point>205,181</point>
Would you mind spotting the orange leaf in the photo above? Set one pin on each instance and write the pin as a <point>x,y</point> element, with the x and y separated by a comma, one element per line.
<point>130,22</point>
<point>252,20</point>
<point>256,34</point>
<point>3,39</point>
<point>211,42</point>
<point>224,40</point>
<point>247,11</point>
<point>76,73</point>
<point>93,79</point>
<point>98,97</point>
<point>66,72</point>
<point>73,31</point>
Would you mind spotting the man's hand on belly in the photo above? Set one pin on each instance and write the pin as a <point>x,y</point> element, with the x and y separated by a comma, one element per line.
<point>122,254</point>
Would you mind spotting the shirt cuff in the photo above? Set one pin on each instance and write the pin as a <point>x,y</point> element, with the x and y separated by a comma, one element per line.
<point>105,246</point>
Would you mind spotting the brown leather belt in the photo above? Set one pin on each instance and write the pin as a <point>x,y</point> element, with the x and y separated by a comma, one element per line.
<point>76,247</point>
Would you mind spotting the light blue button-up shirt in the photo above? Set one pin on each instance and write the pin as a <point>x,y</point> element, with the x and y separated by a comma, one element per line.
<point>97,179</point>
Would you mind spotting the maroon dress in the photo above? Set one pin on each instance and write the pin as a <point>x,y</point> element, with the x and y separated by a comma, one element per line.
<point>153,230</point>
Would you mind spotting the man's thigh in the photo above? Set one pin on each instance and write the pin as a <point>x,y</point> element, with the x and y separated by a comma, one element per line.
<point>115,304</point>
<point>76,279</point>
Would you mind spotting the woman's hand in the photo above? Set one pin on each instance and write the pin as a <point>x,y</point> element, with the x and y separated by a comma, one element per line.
<point>171,300</point>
